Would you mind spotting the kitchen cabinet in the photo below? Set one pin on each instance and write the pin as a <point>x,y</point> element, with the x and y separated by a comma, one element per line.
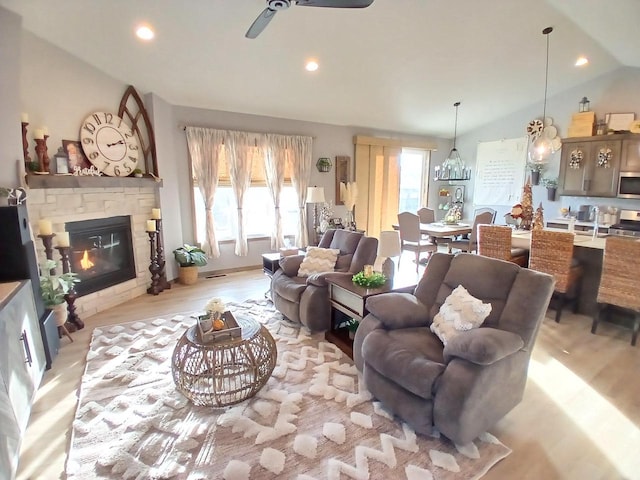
<point>590,166</point>
<point>22,364</point>
<point>630,161</point>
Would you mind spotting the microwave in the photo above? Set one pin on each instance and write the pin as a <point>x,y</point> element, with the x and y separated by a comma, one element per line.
<point>629,185</point>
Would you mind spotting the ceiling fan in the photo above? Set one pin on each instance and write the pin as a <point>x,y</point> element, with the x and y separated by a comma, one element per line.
<point>274,5</point>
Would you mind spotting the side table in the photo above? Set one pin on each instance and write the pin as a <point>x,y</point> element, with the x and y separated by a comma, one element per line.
<point>348,300</point>
<point>225,371</point>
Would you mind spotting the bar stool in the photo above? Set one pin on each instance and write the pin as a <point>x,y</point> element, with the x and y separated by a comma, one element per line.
<point>552,253</point>
<point>495,241</point>
<point>620,282</point>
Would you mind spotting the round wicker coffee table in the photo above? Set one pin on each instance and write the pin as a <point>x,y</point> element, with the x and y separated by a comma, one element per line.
<point>226,370</point>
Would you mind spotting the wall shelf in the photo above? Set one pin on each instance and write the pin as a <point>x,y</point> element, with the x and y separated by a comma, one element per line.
<point>88,181</point>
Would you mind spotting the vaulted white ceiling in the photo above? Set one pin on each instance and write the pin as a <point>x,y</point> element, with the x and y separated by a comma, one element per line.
<point>397,65</point>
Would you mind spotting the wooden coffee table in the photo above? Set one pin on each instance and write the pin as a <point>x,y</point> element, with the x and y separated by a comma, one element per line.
<point>348,300</point>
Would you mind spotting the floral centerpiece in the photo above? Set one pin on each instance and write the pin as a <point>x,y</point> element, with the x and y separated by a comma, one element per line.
<point>213,320</point>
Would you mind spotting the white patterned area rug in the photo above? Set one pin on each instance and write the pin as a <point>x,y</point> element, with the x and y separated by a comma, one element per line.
<point>313,419</point>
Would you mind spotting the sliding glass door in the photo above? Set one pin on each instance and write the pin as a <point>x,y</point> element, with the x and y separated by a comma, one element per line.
<point>414,181</point>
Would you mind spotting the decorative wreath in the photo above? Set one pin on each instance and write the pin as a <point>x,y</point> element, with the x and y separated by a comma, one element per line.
<point>575,158</point>
<point>374,280</point>
<point>604,157</point>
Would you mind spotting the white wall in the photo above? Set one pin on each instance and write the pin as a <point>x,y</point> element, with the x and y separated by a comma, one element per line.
<point>10,129</point>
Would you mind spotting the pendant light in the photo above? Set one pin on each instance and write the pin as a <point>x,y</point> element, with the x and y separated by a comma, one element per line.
<point>453,167</point>
<point>541,149</point>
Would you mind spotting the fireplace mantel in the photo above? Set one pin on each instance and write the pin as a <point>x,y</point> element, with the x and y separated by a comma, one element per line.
<point>88,181</point>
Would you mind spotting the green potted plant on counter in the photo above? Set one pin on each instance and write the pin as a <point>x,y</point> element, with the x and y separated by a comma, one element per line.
<point>189,257</point>
<point>552,186</point>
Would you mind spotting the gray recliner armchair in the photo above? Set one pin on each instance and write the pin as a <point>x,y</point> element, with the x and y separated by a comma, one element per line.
<point>465,387</point>
<point>306,299</point>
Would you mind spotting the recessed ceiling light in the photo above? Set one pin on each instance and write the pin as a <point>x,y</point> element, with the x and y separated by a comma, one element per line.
<point>581,61</point>
<point>144,32</point>
<point>311,66</point>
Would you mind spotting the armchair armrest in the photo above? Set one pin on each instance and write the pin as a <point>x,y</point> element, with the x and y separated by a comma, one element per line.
<point>322,279</point>
<point>291,264</point>
<point>483,346</point>
<point>398,310</point>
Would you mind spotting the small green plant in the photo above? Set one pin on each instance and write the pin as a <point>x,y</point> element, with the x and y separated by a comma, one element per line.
<point>550,182</point>
<point>55,287</point>
<point>536,167</point>
<point>374,280</point>
<point>190,255</point>
<point>33,166</point>
<point>352,324</point>
<point>4,191</point>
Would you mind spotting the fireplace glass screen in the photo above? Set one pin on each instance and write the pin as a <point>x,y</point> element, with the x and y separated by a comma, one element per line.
<point>101,253</point>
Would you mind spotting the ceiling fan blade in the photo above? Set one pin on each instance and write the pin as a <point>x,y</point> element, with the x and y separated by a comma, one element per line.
<point>335,3</point>
<point>260,23</point>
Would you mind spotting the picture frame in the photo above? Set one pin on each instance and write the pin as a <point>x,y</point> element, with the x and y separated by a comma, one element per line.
<point>336,223</point>
<point>75,155</point>
<point>61,163</point>
<point>343,174</point>
<point>619,121</point>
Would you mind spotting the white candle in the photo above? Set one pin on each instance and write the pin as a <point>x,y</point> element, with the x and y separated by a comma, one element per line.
<point>156,214</point>
<point>63,239</point>
<point>368,270</point>
<point>45,131</point>
<point>45,227</point>
<point>38,134</point>
<point>151,225</point>
<point>25,118</point>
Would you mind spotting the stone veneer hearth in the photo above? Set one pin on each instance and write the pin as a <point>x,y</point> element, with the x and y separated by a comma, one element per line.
<point>61,205</point>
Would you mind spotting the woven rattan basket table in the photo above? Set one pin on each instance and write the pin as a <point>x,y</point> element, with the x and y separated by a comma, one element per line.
<point>226,370</point>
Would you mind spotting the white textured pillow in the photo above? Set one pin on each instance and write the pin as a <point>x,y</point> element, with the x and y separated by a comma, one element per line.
<point>459,312</point>
<point>318,260</point>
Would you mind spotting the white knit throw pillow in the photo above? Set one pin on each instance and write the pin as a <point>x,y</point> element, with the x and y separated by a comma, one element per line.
<point>460,311</point>
<point>318,260</point>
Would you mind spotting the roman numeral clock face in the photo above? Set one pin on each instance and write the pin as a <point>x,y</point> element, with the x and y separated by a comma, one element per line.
<point>109,144</point>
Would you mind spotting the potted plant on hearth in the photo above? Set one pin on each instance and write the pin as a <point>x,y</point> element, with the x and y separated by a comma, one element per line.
<point>189,257</point>
<point>54,288</point>
<point>552,185</point>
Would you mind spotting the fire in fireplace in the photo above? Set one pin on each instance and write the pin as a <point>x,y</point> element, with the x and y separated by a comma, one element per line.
<point>101,253</point>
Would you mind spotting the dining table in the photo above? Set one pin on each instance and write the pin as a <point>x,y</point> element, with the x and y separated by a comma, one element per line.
<point>440,229</point>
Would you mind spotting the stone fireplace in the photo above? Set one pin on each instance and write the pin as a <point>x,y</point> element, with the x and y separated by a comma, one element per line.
<point>82,201</point>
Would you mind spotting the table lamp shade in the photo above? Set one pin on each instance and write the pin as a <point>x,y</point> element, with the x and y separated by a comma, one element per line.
<point>389,244</point>
<point>315,195</point>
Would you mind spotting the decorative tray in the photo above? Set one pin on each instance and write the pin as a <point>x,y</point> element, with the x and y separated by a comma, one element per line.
<point>230,330</point>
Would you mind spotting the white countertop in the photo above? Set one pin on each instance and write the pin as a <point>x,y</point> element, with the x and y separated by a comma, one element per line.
<point>522,239</point>
<point>565,221</point>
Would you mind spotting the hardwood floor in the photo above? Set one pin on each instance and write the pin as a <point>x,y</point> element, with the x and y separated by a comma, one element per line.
<point>579,419</point>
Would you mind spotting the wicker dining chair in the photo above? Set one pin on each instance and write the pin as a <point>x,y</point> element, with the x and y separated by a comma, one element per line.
<point>619,281</point>
<point>552,253</point>
<point>410,237</point>
<point>495,241</point>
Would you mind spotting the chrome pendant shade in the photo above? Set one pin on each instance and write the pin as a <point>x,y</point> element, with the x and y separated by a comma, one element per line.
<point>542,147</point>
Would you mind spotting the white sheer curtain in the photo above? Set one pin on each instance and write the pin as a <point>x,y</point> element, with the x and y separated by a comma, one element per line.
<point>275,149</point>
<point>205,147</point>
<point>240,153</point>
<point>299,156</point>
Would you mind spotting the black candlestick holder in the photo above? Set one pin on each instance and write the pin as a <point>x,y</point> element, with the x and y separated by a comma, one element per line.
<point>70,297</point>
<point>154,268</point>
<point>164,283</point>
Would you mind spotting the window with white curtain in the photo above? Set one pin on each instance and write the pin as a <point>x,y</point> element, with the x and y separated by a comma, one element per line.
<point>258,206</point>
<point>414,181</point>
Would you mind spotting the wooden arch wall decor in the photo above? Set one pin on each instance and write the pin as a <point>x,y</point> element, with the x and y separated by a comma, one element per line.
<point>132,108</point>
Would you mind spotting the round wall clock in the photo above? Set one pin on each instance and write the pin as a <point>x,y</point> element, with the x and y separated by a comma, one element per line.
<point>109,144</point>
